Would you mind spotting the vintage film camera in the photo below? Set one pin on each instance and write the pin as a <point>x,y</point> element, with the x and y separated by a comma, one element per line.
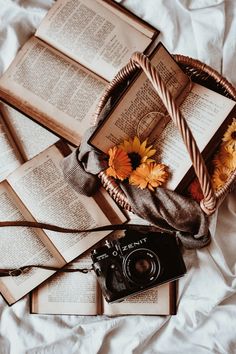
<point>136,262</point>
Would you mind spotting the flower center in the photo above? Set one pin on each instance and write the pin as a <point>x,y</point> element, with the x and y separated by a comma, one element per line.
<point>233,135</point>
<point>135,159</point>
<point>223,176</point>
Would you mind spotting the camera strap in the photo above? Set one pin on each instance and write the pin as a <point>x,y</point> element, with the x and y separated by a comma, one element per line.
<point>15,272</point>
<point>39,225</point>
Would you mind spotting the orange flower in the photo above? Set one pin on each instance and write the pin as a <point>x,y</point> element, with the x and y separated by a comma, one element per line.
<point>220,176</point>
<point>195,190</point>
<point>150,175</point>
<point>119,164</point>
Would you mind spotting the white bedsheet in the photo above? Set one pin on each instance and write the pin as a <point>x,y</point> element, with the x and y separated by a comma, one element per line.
<point>206,319</point>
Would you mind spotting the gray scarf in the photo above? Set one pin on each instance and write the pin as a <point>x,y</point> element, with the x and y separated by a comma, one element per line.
<point>166,210</point>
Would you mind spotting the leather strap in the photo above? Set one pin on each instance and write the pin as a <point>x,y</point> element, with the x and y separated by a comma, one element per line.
<point>15,272</point>
<point>24,223</point>
<point>41,225</point>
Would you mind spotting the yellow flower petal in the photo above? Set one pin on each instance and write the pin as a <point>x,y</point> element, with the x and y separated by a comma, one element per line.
<point>230,146</point>
<point>126,145</point>
<point>226,158</point>
<point>134,146</point>
<point>150,175</point>
<point>230,134</point>
<point>143,147</point>
<point>151,152</point>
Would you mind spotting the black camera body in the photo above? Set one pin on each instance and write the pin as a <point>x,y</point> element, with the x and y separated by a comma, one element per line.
<point>136,262</point>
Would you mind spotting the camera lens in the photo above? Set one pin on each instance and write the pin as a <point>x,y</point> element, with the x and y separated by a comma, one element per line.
<point>142,266</point>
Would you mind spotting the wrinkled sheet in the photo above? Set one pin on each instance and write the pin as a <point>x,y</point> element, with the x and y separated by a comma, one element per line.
<point>206,319</point>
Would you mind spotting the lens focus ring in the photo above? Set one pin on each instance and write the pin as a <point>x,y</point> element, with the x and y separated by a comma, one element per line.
<point>141,266</point>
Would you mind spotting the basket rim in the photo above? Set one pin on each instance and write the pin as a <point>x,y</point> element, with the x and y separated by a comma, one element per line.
<point>205,68</point>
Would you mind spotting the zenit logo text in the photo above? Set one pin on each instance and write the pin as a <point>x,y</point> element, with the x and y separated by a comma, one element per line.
<point>134,244</point>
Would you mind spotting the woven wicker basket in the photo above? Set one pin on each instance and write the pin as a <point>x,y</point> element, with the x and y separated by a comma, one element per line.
<point>200,73</point>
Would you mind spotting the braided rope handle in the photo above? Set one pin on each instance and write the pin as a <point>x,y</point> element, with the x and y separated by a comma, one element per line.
<point>139,60</point>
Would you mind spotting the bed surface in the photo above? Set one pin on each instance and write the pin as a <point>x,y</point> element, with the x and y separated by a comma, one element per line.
<point>206,319</point>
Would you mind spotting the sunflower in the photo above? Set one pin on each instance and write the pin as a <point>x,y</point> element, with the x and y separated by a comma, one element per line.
<point>195,190</point>
<point>119,163</point>
<point>229,137</point>
<point>138,152</point>
<point>149,175</point>
<point>220,176</point>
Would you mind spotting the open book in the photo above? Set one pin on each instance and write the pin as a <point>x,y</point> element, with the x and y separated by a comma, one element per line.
<point>60,73</point>
<point>20,139</point>
<point>140,112</point>
<point>80,294</point>
<point>37,191</point>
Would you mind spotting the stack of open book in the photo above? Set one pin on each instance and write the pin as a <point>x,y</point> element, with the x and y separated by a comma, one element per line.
<point>57,79</point>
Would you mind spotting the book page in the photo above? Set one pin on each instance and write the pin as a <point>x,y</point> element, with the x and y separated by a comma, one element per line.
<point>52,89</point>
<point>21,246</point>
<point>205,112</point>
<point>155,301</point>
<point>29,136</point>
<point>140,111</point>
<point>50,198</point>
<point>69,293</point>
<point>92,35</point>
<point>10,157</point>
